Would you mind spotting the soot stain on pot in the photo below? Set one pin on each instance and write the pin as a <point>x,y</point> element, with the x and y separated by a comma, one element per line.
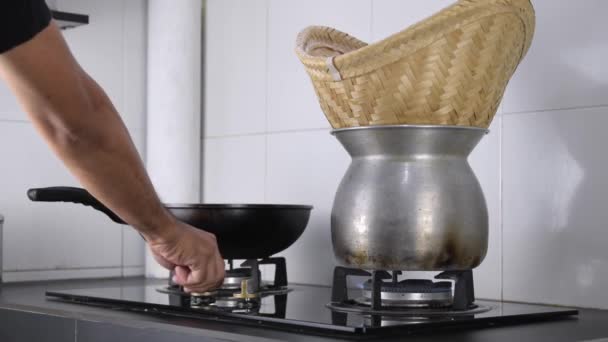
<point>455,253</point>
<point>452,254</point>
<point>357,258</point>
<point>362,259</point>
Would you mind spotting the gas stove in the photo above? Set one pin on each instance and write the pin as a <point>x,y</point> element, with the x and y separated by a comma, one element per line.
<point>241,292</point>
<point>383,303</point>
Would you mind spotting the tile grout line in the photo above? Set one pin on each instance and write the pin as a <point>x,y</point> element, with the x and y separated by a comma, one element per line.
<point>24,121</point>
<point>266,107</point>
<point>315,129</point>
<point>536,111</point>
<point>122,252</point>
<point>203,102</point>
<point>123,100</point>
<point>303,130</point>
<point>371,20</point>
<point>144,132</point>
<point>266,87</point>
<point>71,269</point>
<point>500,206</point>
<point>265,182</point>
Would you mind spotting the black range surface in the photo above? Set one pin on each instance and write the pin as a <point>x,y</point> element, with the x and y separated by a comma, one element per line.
<point>304,310</point>
<point>24,310</point>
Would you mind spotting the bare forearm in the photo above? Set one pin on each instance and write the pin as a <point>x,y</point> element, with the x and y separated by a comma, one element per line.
<point>100,153</point>
<point>80,124</point>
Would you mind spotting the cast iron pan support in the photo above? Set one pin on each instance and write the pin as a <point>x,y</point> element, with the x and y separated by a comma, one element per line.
<point>396,275</point>
<point>464,294</point>
<point>280,281</point>
<point>339,290</point>
<point>377,279</point>
<point>280,271</point>
<point>253,285</point>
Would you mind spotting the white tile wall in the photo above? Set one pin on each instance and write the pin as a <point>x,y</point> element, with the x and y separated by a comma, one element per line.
<point>555,214</point>
<point>9,109</point>
<point>79,273</point>
<point>553,169</point>
<point>134,71</point>
<point>566,65</point>
<point>541,171</point>
<point>234,169</point>
<point>391,16</point>
<point>98,47</point>
<point>47,236</point>
<point>53,241</point>
<point>306,168</point>
<point>133,271</point>
<point>236,72</point>
<point>133,252</point>
<point>485,161</point>
<point>292,104</point>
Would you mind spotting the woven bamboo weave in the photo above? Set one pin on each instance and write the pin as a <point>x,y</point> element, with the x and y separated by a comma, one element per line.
<point>449,69</point>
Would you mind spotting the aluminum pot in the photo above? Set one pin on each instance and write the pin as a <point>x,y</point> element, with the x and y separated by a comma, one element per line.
<point>409,199</point>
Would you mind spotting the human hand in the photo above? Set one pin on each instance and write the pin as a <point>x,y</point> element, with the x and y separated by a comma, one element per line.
<point>193,254</point>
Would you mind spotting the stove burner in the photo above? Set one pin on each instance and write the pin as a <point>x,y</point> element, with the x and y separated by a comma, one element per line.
<point>226,299</point>
<point>234,278</point>
<point>202,299</point>
<point>223,302</point>
<point>407,312</point>
<point>241,291</point>
<point>413,298</point>
<point>236,303</point>
<point>410,293</point>
<point>239,272</point>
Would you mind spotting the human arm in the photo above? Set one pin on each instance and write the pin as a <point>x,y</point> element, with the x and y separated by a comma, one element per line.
<point>80,124</point>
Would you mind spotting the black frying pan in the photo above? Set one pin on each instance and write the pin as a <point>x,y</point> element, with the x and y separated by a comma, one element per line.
<point>243,231</point>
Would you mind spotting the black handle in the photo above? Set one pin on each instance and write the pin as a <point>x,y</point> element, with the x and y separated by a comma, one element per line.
<point>73,195</point>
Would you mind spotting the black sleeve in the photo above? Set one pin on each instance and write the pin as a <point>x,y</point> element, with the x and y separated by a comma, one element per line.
<point>20,21</point>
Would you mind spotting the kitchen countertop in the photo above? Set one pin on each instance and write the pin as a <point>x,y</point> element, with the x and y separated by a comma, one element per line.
<point>26,315</point>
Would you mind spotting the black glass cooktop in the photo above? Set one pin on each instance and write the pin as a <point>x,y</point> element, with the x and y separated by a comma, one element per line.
<point>304,310</point>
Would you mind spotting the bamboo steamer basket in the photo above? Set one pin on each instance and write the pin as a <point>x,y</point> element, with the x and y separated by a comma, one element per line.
<point>449,69</point>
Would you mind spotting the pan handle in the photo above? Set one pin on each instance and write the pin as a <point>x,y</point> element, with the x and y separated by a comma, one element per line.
<point>73,195</point>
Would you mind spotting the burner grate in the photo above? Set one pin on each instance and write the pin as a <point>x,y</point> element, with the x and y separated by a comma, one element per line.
<point>412,286</point>
<point>352,306</point>
<point>242,289</point>
<point>380,295</point>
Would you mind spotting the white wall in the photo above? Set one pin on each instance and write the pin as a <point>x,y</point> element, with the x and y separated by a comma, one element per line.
<point>50,241</point>
<point>266,140</point>
<point>554,160</point>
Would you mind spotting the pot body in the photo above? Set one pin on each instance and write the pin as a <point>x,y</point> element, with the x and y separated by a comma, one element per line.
<point>410,200</point>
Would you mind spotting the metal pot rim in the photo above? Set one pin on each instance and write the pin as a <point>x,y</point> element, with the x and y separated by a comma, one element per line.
<point>441,127</point>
